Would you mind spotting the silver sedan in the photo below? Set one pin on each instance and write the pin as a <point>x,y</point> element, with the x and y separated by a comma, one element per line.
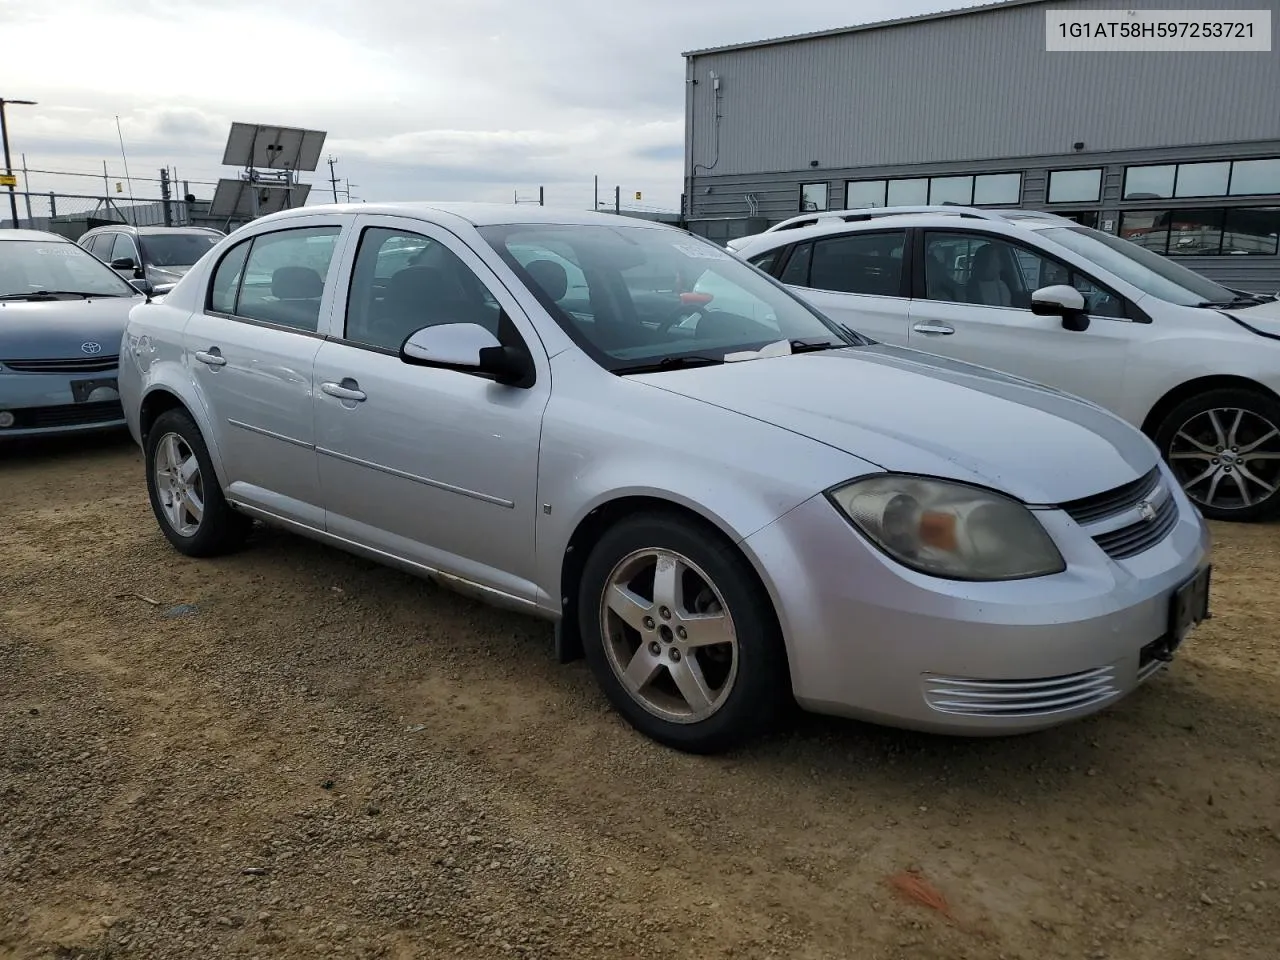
<point>722,498</point>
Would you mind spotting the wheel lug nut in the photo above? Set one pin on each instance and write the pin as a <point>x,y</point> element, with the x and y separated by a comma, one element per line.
<point>655,648</point>
<point>648,623</point>
<point>682,633</point>
<point>1215,459</point>
<point>664,613</point>
<point>675,655</point>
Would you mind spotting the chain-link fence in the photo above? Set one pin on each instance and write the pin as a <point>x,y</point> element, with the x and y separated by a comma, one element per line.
<point>72,214</point>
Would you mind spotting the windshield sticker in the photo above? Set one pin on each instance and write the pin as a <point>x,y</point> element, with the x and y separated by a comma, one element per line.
<point>780,348</point>
<point>700,251</point>
<point>58,251</point>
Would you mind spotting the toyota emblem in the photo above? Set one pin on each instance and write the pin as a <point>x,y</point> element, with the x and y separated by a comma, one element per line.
<point>1146,511</point>
<point>91,347</point>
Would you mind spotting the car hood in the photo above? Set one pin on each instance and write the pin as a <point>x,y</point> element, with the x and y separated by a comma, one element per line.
<point>58,329</point>
<point>910,412</point>
<point>1264,316</point>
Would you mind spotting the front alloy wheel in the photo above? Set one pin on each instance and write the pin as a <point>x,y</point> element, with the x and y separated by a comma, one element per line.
<point>1224,449</point>
<point>681,634</point>
<point>669,637</point>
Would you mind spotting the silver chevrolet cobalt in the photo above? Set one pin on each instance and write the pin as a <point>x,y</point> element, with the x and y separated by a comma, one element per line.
<point>722,498</point>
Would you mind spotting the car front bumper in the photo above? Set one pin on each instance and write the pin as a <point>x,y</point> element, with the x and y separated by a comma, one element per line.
<point>44,404</point>
<point>871,639</point>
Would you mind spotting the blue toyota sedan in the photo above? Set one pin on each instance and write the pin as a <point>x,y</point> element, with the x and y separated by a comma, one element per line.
<point>62,315</point>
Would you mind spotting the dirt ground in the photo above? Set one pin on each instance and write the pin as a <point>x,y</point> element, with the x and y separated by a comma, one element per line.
<point>321,757</point>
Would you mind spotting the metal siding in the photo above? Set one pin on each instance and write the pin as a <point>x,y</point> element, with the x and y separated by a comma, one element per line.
<point>972,86</point>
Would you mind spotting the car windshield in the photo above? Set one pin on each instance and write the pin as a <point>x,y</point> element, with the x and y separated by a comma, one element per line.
<point>30,267</point>
<point>1149,272</point>
<point>176,249</point>
<point>634,296</point>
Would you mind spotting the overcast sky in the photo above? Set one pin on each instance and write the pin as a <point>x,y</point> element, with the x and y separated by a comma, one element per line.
<point>421,99</point>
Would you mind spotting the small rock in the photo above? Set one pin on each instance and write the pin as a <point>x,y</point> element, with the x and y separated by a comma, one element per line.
<point>1206,899</point>
<point>182,610</point>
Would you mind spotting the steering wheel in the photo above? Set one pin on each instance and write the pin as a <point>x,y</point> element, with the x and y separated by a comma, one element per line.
<point>690,305</point>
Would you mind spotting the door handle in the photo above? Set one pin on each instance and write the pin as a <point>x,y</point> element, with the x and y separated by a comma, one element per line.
<point>939,329</point>
<point>213,357</point>
<point>344,392</point>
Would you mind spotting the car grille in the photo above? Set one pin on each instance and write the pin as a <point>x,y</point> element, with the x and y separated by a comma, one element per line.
<point>1131,540</point>
<point>1087,510</point>
<point>1144,531</point>
<point>1020,698</point>
<point>75,365</point>
<point>66,415</point>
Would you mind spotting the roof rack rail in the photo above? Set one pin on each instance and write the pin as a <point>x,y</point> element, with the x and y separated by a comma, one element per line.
<point>1037,215</point>
<point>868,213</point>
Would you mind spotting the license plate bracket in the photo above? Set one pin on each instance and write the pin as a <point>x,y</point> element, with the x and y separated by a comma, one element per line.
<point>81,389</point>
<point>1188,606</point>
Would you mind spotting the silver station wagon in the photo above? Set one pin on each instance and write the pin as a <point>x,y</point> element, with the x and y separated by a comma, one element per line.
<point>723,499</point>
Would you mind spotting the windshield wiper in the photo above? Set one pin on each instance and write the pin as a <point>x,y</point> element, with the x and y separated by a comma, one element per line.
<point>809,346</point>
<point>54,294</point>
<point>1244,300</point>
<point>668,363</point>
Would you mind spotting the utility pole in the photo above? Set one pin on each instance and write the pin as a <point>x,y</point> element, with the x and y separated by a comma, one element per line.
<point>165,195</point>
<point>10,179</point>
<point>542,196</point>
<point>595,194</point>
<point>333,178</point>
<point>617,199</point>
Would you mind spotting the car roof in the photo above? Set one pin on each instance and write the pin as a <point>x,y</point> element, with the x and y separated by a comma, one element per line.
<point>993,221</point>
<point>41,235</point>
<point>476,214</point>
<point>149,231</point>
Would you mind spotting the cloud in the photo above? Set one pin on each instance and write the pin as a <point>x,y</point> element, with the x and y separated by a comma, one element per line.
<point>448,99</point>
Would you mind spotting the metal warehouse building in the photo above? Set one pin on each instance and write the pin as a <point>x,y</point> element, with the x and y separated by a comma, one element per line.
<point>1177,151</point>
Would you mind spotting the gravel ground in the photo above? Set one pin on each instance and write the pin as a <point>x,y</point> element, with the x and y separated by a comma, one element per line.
<point>320,757</point>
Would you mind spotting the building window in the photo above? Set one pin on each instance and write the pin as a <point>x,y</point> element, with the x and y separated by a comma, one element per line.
<point>1210,232</point>
<point>813,196</point>
<point>1150,183</point>
<point>863,193</point>
<point>1249,230</point>
<point>1202,179</point>
<point>957,190</point>
<point>991,188</point>
<point>1075,186</point>
<point>987,188</point>
<point>1217,178</point>
<point>1255,177</point>
<point>912,192</point>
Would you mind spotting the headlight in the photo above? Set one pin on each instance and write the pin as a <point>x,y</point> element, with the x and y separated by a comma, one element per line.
<point>949,529</point>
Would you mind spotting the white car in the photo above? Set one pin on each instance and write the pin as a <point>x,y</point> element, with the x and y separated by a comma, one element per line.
<point>1194,364</point>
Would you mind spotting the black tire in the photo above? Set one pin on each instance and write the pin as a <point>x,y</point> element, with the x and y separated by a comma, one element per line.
<point>221,529</point>
<point>760,689</point>
<point>1259,413</point>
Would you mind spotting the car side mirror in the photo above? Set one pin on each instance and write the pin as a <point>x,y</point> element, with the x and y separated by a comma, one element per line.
<point>1063,301</point>
<point>123,263</point>
<point>467,348</point>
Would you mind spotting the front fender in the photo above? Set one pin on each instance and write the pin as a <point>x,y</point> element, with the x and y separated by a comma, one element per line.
<point>739,480</point>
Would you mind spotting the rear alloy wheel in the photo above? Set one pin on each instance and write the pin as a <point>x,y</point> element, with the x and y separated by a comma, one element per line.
<point>185,496</point>
<point>680,634</point>
<point>1224,448</point>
